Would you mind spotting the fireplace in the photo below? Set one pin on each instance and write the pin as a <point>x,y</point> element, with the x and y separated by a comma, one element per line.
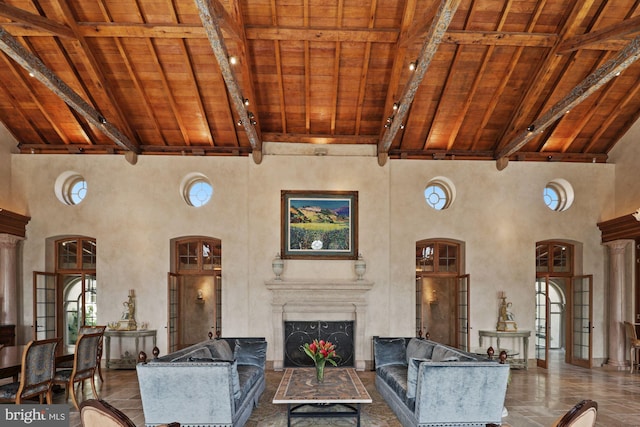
<point>328,300</point>
<point>297,333</point>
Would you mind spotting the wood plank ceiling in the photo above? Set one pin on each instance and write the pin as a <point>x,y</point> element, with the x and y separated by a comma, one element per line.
<point>519,80</point>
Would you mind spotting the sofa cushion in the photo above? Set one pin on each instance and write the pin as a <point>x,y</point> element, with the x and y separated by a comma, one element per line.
<point>201,353</point>
<point>250,353</point>
<point>419,349</point>
<point>396,377</point>
<point>220,350</point>
<point>390,352</point>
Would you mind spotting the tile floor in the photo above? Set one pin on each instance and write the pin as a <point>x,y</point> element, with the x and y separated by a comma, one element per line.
<point>536,397</point>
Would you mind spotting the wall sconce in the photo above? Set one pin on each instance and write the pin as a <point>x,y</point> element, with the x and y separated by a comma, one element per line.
<point>434,297</point>
<point>200,298</point>
<point>636,214</point>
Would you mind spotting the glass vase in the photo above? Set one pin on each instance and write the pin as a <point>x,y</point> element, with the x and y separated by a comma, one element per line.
<point>320,370</point>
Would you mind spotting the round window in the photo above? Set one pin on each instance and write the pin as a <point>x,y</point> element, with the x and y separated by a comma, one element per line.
<point>70,188</point>
<point>439,193</point>
<point>558,195</point>
<point>196,190</point>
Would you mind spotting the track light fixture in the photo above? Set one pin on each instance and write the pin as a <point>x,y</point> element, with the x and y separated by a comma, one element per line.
<point>246,102</point>
<point>102,120</point>
<point>395,106</point>
<point>239,122</point>
<point>413,65</point>
<point>531,128</point>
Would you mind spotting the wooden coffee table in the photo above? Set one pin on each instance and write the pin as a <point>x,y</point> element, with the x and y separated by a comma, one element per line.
<point>340,395</point>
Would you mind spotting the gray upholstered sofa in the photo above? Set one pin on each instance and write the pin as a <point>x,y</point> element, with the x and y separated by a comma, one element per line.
<point>212,383</point>
<point>430,384</point>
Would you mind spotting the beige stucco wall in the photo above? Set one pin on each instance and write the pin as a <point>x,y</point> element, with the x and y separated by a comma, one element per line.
<point>626,156</point>
<point>134,212</point>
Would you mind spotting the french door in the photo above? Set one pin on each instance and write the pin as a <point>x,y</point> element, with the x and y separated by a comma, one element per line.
<point>45,325</point>
<point>462,313</point>
<point>542,322</point>
<point>581,338</point>
<point>173,315</point>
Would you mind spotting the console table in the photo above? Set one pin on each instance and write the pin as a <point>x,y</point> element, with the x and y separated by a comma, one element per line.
<point>523,335</point>
<point>128,361</point>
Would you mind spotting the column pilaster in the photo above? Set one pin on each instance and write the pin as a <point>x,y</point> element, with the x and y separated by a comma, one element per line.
<point>617,252</point>
<point>8,279</point>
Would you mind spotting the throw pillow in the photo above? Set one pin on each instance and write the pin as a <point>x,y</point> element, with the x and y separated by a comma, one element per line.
<point>198,353</point>
<point>250,353</point>
<point>220,349</point>
<point>420,349</point>
<point>440,353</point>
<point>390,352</point>
<point>412,376</point>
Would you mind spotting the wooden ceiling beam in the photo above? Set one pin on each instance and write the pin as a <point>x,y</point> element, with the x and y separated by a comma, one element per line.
<point>211,18</point>
<point>583,41</point>
<point>34,65</point>
<point>584,89</point>
<point>35,21</point>
<point>320,139</point>
<point>441,21</point>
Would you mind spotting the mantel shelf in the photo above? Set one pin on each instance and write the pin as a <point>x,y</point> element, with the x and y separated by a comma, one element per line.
<point>318,285</point>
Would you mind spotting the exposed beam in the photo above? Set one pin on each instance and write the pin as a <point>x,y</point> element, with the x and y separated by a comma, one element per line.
<point>32,20</point>
<point>35,66</point>
<point>211,18</point>
<point>320,139</point>
<point>257,32</point>
<point>584,89</point>
<point>628,26</point>
<point>440,23</point>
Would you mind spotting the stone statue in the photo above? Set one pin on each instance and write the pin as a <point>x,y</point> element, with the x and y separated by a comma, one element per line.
<point>128,320</point>
<point>506,320</point>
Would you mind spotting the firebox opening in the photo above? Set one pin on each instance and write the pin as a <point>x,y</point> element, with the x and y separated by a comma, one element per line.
<point>297,333</point>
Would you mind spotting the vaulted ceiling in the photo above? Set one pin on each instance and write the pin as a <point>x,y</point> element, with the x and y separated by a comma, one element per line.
<point>503,80</point>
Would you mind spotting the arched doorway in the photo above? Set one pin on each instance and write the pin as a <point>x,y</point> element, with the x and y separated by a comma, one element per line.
<point>563,312</point>
<point>194,291</point>
<point>442,293</point>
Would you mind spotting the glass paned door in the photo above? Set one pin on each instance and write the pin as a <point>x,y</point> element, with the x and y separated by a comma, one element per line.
<point>44,305</point>
<point>541,322</point>
<point>462,324</point>
<point>581,321</point>
<point>173,314</point>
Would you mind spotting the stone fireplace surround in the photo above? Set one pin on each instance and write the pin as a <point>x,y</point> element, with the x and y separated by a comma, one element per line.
<point>319,299</point>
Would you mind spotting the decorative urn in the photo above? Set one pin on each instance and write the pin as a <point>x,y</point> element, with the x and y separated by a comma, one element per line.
<point>360,267</point>
<point>278,266</point>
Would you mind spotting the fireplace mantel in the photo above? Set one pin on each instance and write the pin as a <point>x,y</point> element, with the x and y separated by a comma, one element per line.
<point>319,299</point>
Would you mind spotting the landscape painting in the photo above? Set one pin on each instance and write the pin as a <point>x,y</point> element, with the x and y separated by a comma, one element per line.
<point>319,224</point>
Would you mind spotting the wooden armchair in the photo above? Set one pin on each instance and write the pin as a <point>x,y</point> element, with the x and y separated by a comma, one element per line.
<point>98,413</point>
<point>85,365</point>
<point>583,414</point>
<point>36,375</point>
